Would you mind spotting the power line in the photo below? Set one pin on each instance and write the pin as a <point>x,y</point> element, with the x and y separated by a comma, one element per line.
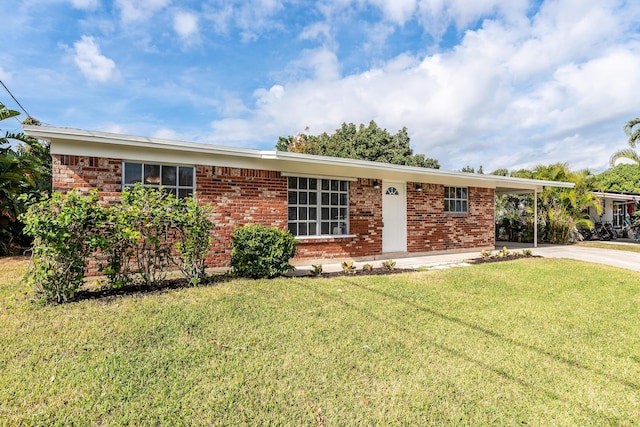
<point>14,98</point>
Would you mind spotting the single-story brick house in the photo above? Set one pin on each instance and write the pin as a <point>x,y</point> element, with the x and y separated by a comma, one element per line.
<point>337,208</point>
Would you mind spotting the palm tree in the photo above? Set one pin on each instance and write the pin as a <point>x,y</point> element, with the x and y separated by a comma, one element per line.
<point>634,138</point>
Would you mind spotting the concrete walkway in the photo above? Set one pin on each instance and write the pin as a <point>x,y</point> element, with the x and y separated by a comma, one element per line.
<point>612,257</point>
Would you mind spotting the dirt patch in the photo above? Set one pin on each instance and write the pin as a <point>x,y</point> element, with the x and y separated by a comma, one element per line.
<point>509,257</point>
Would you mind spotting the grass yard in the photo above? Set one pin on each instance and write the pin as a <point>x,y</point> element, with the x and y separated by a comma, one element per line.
<point>614,246</point>
<point>532,341</point>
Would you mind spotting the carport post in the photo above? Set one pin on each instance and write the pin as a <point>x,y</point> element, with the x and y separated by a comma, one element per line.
<point>535,218</point>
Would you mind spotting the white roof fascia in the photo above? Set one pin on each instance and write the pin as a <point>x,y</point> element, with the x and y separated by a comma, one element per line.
<point>103,144</point>
<point>616,196</point>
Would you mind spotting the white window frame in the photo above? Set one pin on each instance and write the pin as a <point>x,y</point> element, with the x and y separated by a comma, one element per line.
<point>456,200</point>
<point>179,189</point>
<point>326,198</point>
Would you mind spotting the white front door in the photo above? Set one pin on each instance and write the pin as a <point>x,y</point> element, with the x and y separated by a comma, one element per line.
<point>394,217</point>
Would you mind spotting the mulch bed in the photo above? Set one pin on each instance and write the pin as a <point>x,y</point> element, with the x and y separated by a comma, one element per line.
<point>136,290</point>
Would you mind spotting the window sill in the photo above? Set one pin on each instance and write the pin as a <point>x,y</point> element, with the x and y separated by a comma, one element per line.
<point>327,237</point>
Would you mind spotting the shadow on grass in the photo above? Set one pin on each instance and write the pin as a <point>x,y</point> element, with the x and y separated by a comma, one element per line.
<point>139,290</point>
<point>498,371</point>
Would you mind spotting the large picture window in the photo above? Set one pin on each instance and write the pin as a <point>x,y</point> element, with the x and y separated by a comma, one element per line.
<point>456,200</point>
<point>318,207</point>
<point>178,180</point>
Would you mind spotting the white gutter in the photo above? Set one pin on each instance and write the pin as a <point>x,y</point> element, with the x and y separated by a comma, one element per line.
<point>295,162</point>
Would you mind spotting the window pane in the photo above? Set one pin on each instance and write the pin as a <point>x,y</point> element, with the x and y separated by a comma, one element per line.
<point>335,185</point>
<point>334,213</point>
<point>464,193</point>
<point>324,228</point>
<point>302,229</point>
<point>313,184</point>
<point>343,213</point>
<point>186,176</point>
<point>183,193</point>
<point>334,199</point>
<point>313,213</point>
<point>312,229</point>
<point>465,207</point>
<point>344,199</point>
<point>152,174</point>
<point>324,199</point>
<point>293,198</point>
<point>344,185</point>
<point>325,213</point>
<point>313,198</point>
<point>302,213</point>
<point>293,228</point>
<point>293,182</point>
<point>325,184</point>
<point>303,184</point>
<point>169,175</point>
<point>302,198</point>
<point>293,214</point>
<point>132,173</point>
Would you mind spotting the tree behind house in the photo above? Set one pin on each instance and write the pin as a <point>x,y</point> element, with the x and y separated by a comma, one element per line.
<point>364,142</point>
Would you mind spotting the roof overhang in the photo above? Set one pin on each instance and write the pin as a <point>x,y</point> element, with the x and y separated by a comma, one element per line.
<point>617,196</point>
<point>136,148</point>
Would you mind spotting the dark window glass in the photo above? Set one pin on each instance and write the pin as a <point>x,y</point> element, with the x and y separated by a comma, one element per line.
<point>152,174</point>
<point>169,175</point>
<point>293,198</point>
<point>132,173</point>
<point>183,193</point>
<point>293,214</point>
<point>293,183</point>
<point>186,176</point>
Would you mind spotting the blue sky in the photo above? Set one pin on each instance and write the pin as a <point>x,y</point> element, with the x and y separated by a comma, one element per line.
<point>497,83</point>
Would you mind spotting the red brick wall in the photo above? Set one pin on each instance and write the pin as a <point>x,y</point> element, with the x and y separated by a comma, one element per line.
<point>239,197</point>
<point>86,173</point>
<point>365,222</point>
<point>242,196</point>
<point>429,228</point>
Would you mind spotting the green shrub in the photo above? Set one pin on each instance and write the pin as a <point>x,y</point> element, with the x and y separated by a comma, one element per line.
<point>261,252</point>
<point>63,229</point>
<point>149,213</point>
<point>348,267</point>
<point>194,238</point>
<point>389,265</point>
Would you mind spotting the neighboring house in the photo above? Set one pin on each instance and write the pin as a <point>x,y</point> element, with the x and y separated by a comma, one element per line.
<point>617,208</point>
<point>337,208</point>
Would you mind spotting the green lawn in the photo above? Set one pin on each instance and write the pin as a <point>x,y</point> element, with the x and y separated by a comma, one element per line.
<point>614,246</point>
<point>532,341</point>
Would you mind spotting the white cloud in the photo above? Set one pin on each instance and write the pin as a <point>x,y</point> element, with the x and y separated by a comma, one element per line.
<point>92,63</point>
<point>85,4</point>
<point>397,11</point>
<point>4,74</point>
<point>140,10</point>
<point>516,92</point>
<point>185,24</point>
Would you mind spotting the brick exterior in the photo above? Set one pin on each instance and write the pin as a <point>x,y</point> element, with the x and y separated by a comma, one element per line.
<point>242,196</point>
<point>429,228</point>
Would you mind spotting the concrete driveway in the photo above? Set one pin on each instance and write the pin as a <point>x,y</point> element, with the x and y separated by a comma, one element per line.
<point>616,258</point>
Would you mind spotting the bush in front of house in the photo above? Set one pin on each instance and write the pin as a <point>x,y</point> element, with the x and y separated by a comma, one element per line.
<point>64,233</point>
<point>137,240</point>
<point>261,252</point>
<point>194,238</point>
